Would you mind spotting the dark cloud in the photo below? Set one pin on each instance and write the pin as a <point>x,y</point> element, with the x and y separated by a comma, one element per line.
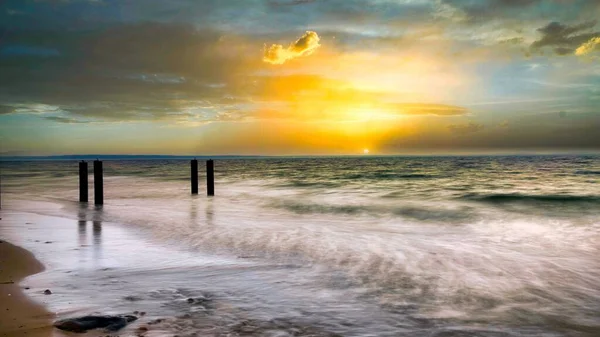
<point>290,2</point>
<point>128,72</point>
<point>462,129</point>
<point>564,39</point>
<point>484,9</point>
<point>5,109</point>
<point>535,132</point>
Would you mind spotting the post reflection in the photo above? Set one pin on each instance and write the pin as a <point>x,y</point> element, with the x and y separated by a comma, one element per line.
<point>82,231</point>
<point>82,212</point>
<point>194,211</point>
<point>210,213</point>
<point>97,234</point>
<point>97,241</point>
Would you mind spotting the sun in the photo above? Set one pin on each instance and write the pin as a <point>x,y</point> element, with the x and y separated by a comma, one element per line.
<point>366,151</point>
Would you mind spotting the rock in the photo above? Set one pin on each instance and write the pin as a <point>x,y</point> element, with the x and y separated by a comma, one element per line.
<point>85,323</point>
<point>47,292</point>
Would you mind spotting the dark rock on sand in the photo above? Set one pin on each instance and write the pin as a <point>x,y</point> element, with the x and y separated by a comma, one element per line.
<point>85,323</point>
<point>47,292</point>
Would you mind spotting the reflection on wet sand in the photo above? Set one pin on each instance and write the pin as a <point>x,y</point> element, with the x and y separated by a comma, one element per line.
<point>82,231</point>
<point>193,210</point>
<point>97,235</point>
<point>83,214</point>
<point>210,213</point>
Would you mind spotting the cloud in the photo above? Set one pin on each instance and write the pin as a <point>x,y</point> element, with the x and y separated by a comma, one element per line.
<point>563,38</point>
<point>132,72</point>
<point>18,51</point>
<point>588,47</point>
<point>443,10</point>
<point>64,120</point>
<point>291,3</point>
<point>429,109</point>
<point>5,109</point>
<point>467,128</point>
<point>304,46</point>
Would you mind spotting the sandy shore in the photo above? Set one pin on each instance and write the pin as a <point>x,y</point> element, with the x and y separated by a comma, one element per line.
<point>20,316</point>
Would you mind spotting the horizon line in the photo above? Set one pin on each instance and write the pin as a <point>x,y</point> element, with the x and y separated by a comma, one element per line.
<point>4,157</point>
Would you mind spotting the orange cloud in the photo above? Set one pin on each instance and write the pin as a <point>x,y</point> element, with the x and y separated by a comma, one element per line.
<point>588,47</point>
<point>304,46</point>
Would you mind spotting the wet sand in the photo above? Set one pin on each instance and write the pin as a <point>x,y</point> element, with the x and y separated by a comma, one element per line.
<point>95,267</point>
<point>96,264</point>
<point>20,316</point>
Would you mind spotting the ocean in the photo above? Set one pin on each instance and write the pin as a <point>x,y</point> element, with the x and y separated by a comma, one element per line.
<point>350,246</point>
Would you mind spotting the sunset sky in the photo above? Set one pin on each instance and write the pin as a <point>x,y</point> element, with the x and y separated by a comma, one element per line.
<point>299,77</point>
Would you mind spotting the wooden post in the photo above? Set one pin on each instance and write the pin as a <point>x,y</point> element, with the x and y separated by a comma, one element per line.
<point>98,183</point>
<point>83,181</point>
<point>210,178</point>
<point>194,175</point>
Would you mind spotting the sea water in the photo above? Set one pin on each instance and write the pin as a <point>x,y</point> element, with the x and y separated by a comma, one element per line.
<point>357,246</point>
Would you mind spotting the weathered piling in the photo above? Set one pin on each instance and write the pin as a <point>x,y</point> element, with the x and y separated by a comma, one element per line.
<point>83,181</point>
<point>194,175</point>
<point>98,183</point>
<point>210,178</point>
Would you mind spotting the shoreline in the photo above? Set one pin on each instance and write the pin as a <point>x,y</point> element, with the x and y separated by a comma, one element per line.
<point>21,316</point>
<point>96,264</point>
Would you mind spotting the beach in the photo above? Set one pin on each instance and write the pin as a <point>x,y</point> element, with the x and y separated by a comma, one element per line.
<point>315,247</point>
<point>91,272</point>
<point>20,315</point>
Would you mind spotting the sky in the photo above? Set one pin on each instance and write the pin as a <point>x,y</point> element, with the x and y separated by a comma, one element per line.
<point>299,77</point>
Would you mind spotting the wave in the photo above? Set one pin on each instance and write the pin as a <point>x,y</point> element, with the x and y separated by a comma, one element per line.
<point>389,176</point>
<point>340,180</point>
<point>309,208</point>
<point>516,197</point>
<point>586,172</point>
<point>407,211</point>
